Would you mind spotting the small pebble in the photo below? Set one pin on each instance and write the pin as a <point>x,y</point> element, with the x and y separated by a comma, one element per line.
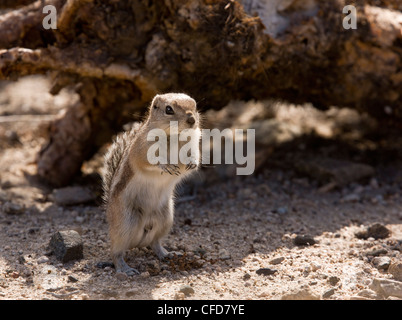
<point>376,252</point>
<point>224,254</point>
<point>179,296</point>
<point>187,290</point>
<point>264,293</point>
<point>217,287</point>
<point>42,259</point>
<point>328,293</point>
<point>353,197</point>
<point>276,261</point>
<point>104,264</point>
<point>132,293</point>
<point>79,219</point>
<point>315,266</point>
<point>396,270</point>
<point>304,240</point>
<point>72,279</point>
<point>266,271</point>
<point>121,276</point>
<point>333,280</point>
<point>301,294</point>
<point>13,208</point>
<point>376,231</point>
<point>367,293</point>
<point>381,263</point>
<point>282,210</point>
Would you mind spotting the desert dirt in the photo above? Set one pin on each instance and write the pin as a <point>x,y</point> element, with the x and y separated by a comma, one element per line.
<point>234,237</point>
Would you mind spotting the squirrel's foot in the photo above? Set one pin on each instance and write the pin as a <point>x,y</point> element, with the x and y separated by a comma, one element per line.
<point>160,251</point>
<point>122,267</point>
<point>128,271</point>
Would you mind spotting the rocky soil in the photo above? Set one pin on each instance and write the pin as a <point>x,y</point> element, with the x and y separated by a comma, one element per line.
<point>320,219</point>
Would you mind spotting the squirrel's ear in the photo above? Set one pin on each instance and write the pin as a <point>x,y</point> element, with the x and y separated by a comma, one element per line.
<point>155,101</point>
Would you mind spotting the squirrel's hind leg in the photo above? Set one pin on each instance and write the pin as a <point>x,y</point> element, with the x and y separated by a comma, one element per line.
<point>122,266</point>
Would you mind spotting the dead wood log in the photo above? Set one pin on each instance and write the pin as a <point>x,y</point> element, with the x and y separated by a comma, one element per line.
<point>23,27</point>
<point>7,4</point>
<point>120,53</point>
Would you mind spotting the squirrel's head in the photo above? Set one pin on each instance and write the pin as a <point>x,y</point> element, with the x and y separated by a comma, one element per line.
<point>174,107</point>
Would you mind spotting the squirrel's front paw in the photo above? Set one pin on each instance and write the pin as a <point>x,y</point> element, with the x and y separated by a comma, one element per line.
<point>172,169</point>
<point>191,166</point>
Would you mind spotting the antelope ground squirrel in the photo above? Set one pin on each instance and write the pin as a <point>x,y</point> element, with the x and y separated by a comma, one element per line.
<point>139,196</point>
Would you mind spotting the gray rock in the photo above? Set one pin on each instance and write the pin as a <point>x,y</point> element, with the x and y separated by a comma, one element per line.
<point>72,279</point>
<point>179,296</point>
<point>13,208</point>
<point>66,245</point>
<point>367,293</point>
<point>304,240</point>
<point>376,231</point>
<point>266,271</point>
<point>376,252</point>
<point>276,261</point>
<point>303,294</point>
<point>328,293</point>
<point>110,293</point>
<point>352,197</point>
<point>133,292</point>
<point>187,290</point>
<point>79,219</point>
<point>104,264</point>
<point>396,270</point>
<point>381,263</point>
<point>246,276</point>
<point>70,196</point>
<point>333,280</point>
<point>386,288</point>
<point>282,210</point>
<point>224,254</point>
<point>121,276</point>
<point>42,259</point>
<point>398,244</point>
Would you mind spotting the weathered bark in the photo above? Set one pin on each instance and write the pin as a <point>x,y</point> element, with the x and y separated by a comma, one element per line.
<point>123,52</point>
<point>23,27</point>
<point>7,4</point>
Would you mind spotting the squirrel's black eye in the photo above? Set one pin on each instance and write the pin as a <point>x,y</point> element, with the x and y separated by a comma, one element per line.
<point>169,110</point>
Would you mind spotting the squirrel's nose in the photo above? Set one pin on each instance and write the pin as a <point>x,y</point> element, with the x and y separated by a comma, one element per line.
<point>190,118</point>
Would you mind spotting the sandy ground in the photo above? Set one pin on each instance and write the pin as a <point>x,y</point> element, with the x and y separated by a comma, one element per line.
<point>236,239</point>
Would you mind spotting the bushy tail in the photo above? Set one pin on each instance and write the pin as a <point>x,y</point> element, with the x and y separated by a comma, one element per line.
<point>113,158</point>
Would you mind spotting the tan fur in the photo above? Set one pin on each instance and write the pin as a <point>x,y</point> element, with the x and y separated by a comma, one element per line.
<point>139,197</point>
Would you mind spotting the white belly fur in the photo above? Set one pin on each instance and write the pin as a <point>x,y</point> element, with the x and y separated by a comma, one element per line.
<point>153,193</point>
